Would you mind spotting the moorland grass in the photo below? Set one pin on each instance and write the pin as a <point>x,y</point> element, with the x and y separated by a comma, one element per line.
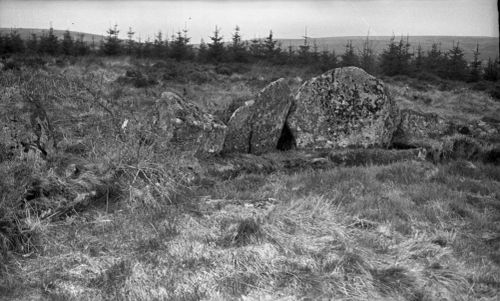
<point>398,230</point>
<point>381,239</point>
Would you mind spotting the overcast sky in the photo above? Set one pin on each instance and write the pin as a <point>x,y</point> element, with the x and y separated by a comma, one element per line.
<point>287,18</point>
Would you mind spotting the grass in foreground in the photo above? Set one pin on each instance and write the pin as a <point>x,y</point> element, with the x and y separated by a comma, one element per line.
<point>405,231</point>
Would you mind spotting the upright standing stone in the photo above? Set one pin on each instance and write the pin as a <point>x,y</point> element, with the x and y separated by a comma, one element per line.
<point>239,130</point>
<point>269,115</point>
<point>257,127</point>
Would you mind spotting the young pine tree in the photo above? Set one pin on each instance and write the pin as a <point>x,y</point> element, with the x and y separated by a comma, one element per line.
<point>270,49</point>
<point>290,54</point>
<point>435,61</point>
<point>49,43</point>
<point>159,49</point>
<point>327,60</point>
<point>315,53</point>
<point>147,48</point>
<point>32,44</point>
<point>138,48</point>
<point>67,44</point>
<point>349,57</point>
<point>396,58</point>
<point>216,50</point>
<point>202,55</point>
<point>180,48</point>
<point>130,41</point>
<point>492,70</point>
<point>418,62</point>
<point>237,50</point>
<point>257,49</point>
<point>14,43</point>
<point>457,65</point>
<point>475,66</point>
<point>304,50</point>
<point>112,43</point>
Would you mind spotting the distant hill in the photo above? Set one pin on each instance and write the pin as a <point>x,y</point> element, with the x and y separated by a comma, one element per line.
<point>26,33</point>
<point>488,46</point>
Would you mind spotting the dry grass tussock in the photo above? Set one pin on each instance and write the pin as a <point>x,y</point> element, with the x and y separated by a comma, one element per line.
<point>109,217</point>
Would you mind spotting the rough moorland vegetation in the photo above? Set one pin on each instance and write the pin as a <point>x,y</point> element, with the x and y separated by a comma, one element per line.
<point>399,57</point>
<point>109,190</point>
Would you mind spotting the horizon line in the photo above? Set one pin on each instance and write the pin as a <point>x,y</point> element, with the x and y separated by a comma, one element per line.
<point>278,38</point>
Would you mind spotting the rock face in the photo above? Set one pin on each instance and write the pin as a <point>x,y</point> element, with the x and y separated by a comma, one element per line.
<point>269,115</point>
<point>239,130</point>
<point>417,129</point>
<point>257,128</point>
<point>186,127</point>
<point>447,139</point>
<point>343,107</point>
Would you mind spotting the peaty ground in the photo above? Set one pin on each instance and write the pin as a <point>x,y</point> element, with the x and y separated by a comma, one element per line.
<point>406,230</point>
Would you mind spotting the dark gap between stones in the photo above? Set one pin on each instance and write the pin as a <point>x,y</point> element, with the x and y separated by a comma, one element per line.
<point>286,140</point>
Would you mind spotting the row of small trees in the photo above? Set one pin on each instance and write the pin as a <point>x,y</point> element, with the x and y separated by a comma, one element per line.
<point>398,58</point>
<point>46,44</point>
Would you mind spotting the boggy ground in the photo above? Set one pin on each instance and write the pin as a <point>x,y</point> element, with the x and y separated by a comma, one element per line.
<point>386,225</point>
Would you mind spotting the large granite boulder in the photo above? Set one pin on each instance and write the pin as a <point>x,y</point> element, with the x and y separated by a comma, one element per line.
<point>184,126</point>
<point>345,107</point>
<point>257,128</point>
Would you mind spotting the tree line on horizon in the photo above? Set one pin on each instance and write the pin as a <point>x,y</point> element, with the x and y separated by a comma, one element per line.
<point>398,58</point>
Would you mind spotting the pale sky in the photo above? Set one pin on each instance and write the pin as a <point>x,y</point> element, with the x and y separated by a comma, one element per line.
<point>287,18</point>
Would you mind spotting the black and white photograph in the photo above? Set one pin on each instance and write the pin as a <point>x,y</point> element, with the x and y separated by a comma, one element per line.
<point>288,150</point>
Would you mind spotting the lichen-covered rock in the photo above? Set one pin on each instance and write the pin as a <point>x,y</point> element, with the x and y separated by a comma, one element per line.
<point>417,129</point>
<point>343,107</point>
<point>269,115</point>
<point>239,130</point>
<point>256,128</point>
<point>184,126</point>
